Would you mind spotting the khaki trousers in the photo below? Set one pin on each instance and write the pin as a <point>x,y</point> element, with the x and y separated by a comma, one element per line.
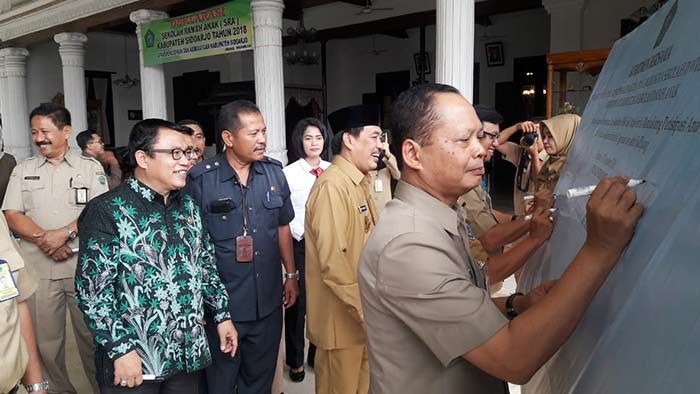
<point>48,306</point>
<point>342,371</point>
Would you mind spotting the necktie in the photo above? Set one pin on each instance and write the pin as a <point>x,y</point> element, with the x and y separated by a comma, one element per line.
<point>316,171</point>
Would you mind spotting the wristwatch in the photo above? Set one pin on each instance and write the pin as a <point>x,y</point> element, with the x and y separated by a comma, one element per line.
<point>510,309</point>
<point>72,234</point>
<point>31,388</point>
<point>292,275</point>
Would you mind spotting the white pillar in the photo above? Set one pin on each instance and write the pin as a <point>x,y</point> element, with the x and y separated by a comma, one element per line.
<point>16,128</point>
<point>269,78</point>
<point>455,45</point>
<point>153,97</point>
<point>71,47</point>
<point>3,91</point>
<point>566,24</point>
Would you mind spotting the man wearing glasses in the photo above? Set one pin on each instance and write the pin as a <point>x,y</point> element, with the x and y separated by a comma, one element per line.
<point>92,146</point>
<point>147,273</point>
<point>45,195</point>
<point>491,230</point>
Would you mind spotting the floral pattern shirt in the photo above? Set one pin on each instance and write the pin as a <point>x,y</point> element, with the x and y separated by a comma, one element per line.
<point>146,271</point>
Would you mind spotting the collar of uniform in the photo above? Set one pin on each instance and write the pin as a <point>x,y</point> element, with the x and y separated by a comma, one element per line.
<point>305,166</point>
<point>149,194</point>
<point>71,158</point>
<point>226,172</point>
<point>447,217</point>
<point>348,169</point>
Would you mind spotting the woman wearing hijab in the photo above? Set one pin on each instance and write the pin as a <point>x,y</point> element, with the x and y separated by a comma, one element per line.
<point>558,137</point>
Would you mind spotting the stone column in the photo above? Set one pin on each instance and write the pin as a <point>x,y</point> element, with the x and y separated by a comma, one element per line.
<point>16,130</point>
<point>566,24</point>
<point>153,97</point>
<point>269,78</point>
<point>71,47</point>
<point>455,45</point>
<point>3,90</point>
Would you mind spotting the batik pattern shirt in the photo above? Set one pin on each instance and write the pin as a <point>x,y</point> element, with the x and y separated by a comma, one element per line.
<point>146,271</point>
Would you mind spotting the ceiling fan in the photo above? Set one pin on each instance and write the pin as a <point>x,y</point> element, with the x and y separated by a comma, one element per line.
<point>368,8</point>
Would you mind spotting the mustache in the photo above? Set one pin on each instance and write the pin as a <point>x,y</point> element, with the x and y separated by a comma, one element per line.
<point>43,143</point>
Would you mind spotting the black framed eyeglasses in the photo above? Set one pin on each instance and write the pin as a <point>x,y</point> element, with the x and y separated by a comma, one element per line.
<point>177,153</point>
<point>486,134</point>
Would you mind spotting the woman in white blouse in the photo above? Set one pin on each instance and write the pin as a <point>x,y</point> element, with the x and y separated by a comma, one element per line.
<point>310,140</point>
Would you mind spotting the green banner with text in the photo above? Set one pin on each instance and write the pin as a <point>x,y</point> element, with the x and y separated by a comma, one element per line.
<point>214,31</point>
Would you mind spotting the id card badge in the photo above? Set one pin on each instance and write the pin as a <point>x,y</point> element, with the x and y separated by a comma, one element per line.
<point>8,288</point>
<point>244,249</point>
<point>378,186</point>
<point>81,196</point>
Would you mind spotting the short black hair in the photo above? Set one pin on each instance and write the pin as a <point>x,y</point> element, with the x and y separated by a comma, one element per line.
<point>413,115</point>
<point>144,135</point>
<point>84,137</point>
<point>488,114</point>
<point>297,141</point>
<point>58,114</point>
<point>190,122</point>
<point>228,116</point>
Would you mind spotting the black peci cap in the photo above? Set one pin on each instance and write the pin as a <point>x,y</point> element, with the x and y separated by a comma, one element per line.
<point>349,118</point>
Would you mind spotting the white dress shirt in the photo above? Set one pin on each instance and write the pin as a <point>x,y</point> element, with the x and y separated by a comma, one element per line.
<point>300,180</point>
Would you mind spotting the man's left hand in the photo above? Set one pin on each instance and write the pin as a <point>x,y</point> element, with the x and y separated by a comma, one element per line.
<point>228,337</point>
<point>291,292</point>
<point>62,254</point>
<point>50,240</point>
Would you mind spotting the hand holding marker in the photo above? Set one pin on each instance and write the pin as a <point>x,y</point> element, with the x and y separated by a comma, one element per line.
<point>580,192</point>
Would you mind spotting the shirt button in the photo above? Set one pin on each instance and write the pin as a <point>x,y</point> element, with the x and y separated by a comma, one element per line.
<point>255,230</point>
<point>256,252</point>
<point>250,208</point>
<point>223,217</point>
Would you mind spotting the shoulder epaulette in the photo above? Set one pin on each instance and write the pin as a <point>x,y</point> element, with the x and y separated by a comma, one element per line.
<point>205,166</point>
<point>270,160</point>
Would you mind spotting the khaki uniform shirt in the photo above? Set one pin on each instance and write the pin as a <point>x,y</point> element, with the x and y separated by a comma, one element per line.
<point>339,218</point>
<point>479,215</point>
<point>14,356</point>
<point>380,182</point>
<point>48,194</point>
<point>425,301</point>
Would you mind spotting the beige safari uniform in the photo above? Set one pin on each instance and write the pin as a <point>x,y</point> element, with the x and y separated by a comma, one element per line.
<point>380,182</point>
<point>339,218</point>
<point>46,194</point>
<point>425,300</point>
<point>479,214</point>
<point>14,357</point>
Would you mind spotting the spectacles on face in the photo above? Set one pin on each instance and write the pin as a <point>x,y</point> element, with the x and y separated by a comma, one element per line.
<point>486,134</point>
<point>177,153</point>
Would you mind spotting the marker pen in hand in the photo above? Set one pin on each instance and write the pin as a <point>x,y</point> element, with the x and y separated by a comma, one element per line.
<point>588,190</point>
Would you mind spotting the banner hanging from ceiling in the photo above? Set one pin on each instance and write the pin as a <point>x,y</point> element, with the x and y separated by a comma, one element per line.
<point>214,31</point>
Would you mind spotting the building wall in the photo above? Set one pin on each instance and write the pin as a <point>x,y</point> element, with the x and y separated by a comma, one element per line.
<point>601,20</point>
<point>352,67</point>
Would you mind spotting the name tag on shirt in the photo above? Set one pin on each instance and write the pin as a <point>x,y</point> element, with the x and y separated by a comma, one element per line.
<point>8,288</point>
<point>81,196</point>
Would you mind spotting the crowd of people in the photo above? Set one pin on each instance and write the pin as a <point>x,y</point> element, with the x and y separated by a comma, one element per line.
<point>184,274</point>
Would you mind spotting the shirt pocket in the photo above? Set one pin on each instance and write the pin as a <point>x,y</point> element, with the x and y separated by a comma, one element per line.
<point>31,191</point>
<point>273,200</point>
<point>222,230</point>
